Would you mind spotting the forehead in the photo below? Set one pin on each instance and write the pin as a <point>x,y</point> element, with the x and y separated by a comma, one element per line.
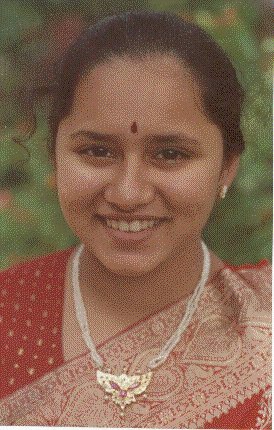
<point>154,89</point>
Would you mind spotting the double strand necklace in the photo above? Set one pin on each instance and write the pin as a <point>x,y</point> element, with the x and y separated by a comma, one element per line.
<point>123,388</point>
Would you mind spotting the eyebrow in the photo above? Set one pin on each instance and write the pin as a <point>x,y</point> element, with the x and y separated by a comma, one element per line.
<point>169,138</point>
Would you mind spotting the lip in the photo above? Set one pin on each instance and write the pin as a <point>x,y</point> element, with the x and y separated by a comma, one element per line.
<point>131,237</point>
<point>129,218</point>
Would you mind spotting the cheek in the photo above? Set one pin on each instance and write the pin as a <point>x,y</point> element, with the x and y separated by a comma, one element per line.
<point>76,187</point>
<point>191,191</point>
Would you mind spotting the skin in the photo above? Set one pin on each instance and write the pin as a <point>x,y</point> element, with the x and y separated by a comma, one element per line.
<point>162,96</point>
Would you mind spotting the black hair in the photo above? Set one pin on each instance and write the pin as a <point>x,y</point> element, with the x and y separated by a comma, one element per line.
<point>136,34</point>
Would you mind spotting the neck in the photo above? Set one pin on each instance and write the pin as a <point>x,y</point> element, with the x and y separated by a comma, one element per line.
<point>146,293</point>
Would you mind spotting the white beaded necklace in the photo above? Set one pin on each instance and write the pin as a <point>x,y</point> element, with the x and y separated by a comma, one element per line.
<point>123,388</point>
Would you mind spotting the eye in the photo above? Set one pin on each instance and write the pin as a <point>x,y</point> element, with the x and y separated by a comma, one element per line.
<point>96,151</point>
<point>172,155</point>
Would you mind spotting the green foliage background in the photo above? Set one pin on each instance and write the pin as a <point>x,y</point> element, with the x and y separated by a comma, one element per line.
<point>33,34</point>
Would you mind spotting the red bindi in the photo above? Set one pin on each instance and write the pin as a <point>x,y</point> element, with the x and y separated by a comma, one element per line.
<point>134,127</point>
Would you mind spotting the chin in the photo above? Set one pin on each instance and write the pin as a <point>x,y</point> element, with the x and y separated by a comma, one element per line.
<point>129,264</point>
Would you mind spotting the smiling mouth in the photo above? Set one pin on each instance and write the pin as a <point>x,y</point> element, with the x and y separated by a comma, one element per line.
<point>133,227</point>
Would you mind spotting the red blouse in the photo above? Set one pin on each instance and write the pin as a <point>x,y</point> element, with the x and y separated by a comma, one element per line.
<point>32,297</point>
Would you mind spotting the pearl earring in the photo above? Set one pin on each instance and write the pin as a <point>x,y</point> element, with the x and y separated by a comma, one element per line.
<point>223,192</point>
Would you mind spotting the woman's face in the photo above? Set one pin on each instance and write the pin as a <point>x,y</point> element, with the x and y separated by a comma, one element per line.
<point>137,142</point>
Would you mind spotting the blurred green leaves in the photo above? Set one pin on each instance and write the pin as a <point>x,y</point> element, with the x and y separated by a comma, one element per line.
<point>17,18</point>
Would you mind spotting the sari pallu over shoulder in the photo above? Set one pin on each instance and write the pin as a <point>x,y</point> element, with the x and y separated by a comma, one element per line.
<point>218,375</point>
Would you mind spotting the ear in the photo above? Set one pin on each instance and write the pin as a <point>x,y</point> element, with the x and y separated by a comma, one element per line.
<point>229,171</point>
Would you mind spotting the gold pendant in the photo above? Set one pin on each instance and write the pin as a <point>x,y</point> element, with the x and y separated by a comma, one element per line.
<point>123,388</point>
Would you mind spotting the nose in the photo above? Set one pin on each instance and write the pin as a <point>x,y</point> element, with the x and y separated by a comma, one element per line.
<point>130,187</point>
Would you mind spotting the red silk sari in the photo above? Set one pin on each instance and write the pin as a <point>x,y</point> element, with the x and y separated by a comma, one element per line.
<point>218,376</point>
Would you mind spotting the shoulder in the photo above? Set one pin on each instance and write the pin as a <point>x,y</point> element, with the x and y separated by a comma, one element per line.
<point>38,270</point>
<point>32,285</point>
<point>259,272</point>
<point>251,287</point>
<point>42,263</point>
<point>32,281</point>
<point>256,276</point>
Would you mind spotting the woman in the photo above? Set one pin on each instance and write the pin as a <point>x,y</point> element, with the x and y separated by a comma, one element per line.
<point>140,325</point>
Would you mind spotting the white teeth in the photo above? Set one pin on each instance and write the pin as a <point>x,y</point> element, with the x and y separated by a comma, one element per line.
<point>123,226</point>
<point>134,226</point>
<point>114,224</point>
<point>144,225</point>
